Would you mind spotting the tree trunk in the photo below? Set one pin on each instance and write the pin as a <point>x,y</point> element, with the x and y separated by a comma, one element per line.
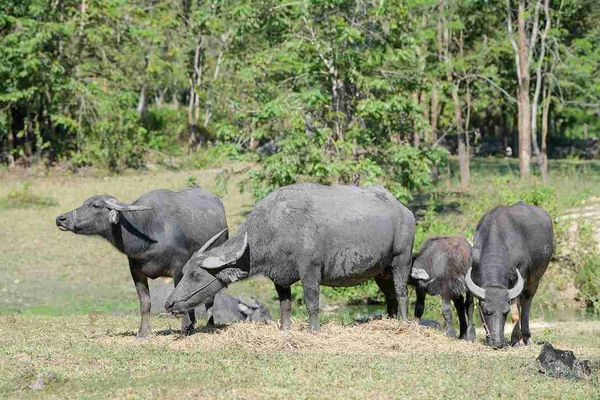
<point>538,81</point>
<point>435,113</point>
<point>545,112</point>
<point>416,138</point>
<point>142,102</point>
<point>523,94</point>
<point>194,101</point>
<point>208,105</point>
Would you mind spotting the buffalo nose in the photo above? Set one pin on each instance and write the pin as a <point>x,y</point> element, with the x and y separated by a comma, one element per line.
<point>61,219</point>
<point>169,304</point>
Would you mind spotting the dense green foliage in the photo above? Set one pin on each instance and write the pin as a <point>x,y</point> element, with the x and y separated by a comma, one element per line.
<point>352,91</point>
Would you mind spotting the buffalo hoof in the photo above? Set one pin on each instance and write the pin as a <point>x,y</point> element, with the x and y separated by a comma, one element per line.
<point>471,335</point>
<point>188,330</point>
<point>142,336</point>
<point>451,333</point>
<point>520,343</point>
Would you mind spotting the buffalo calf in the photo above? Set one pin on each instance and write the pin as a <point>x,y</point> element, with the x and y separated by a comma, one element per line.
<point>439,270</point>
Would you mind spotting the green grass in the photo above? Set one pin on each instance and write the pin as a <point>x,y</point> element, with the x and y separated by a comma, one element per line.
<point>68,308</point>
<point>95,356</point>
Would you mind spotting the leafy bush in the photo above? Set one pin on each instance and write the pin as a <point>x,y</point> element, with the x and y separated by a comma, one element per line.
<point>165,126</point>
<point>216,156</point>
<point>24,198</point>
<point>366,293</point>
<point>403,169</point>
<point>587,265</point>
<point>588,281</point>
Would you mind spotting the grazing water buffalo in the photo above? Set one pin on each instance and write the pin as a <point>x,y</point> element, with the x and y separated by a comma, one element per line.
<point>439,270</point>
<point>158,233</point>
<point>227,309</point>
<point>512,249</point>
<point>330,235</point>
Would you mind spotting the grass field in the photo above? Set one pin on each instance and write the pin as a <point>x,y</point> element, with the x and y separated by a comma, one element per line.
<point>68,312</point>
<point>97,356</point>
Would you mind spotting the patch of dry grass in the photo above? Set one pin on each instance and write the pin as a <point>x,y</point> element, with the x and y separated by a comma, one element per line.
<point>97,356</point>
<point>383,337</point>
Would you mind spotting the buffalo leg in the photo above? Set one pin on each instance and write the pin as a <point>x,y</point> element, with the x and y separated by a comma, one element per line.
<point>311,299</point>
<point>401,265</point>
<point>470,308</point>
<point>447,313</point>
<point>459,304</point>
<point>285,306</point>
<point>211,321</point>
<point>525,309</point>
<point>515,314</point>
<point>189,319</point>
<point>141,285</point>
<point>420,303</point>
<point>386,285</point>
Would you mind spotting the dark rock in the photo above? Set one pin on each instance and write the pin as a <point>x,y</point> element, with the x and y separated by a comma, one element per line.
<point>428,323</point>
<point>363,319</point>
<point>562,363</point>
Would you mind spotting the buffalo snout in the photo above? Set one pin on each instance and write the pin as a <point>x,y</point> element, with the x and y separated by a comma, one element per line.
<point>63,223</point>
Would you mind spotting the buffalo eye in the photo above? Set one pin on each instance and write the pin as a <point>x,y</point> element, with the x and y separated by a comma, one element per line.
<point>96,205</point>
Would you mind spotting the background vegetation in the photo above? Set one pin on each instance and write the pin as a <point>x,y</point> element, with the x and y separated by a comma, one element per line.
<point>454,106</point>
<point>357,91</point>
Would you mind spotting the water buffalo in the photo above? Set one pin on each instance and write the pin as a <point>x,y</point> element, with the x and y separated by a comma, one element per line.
<point>227,309</point>
<point>439,270</point>
<point>512,248</point>
<point>329,235</point>
<point>158,233</point>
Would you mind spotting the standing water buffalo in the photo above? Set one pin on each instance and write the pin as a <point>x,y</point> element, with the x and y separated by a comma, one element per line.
<point>158,233</point>
<point>512,249</point>
<point>330,235</point>
<point>439,270</point>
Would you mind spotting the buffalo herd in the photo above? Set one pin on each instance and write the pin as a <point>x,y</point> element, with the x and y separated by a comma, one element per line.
<point>323,235</point>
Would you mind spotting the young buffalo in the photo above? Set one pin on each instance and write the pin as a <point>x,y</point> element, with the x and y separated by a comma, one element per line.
<point>439,270</point>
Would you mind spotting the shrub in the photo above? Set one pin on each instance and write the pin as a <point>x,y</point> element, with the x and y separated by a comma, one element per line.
<point>24,198</point>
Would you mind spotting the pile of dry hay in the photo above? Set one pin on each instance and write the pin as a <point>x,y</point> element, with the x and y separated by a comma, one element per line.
<point>387,336</point>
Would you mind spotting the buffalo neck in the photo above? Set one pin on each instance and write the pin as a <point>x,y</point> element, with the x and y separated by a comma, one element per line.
<point>128,237</point>
<point>493,261</point>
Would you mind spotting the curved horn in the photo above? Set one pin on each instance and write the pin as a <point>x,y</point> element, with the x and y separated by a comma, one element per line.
<point>114,204</point>
<point>211,241</point>
<point>477,291</point>
<point>518,288</point>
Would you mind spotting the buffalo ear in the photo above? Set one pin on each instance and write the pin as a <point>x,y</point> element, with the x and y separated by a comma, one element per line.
<point>113,217</point>
<point>227,253</point>
<point>230,275</point>
<point>419,274</point>
<point>245,309</point>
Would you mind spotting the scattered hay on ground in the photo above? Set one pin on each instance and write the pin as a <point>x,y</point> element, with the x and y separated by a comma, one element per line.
<point>384,337</point>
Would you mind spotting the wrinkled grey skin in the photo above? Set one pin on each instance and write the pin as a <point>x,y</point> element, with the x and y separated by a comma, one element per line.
<point>158,233</point>
<point>439,270</point>
<point>227,309</point>
<point>510,238</point>
<point>319,235</point>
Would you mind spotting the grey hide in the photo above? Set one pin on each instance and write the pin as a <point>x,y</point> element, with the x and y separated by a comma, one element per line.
<point>227,309</point>
<point>439,270</point>
<point>158,233</point>
<point>319,235</point>
<point>511,251</point>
